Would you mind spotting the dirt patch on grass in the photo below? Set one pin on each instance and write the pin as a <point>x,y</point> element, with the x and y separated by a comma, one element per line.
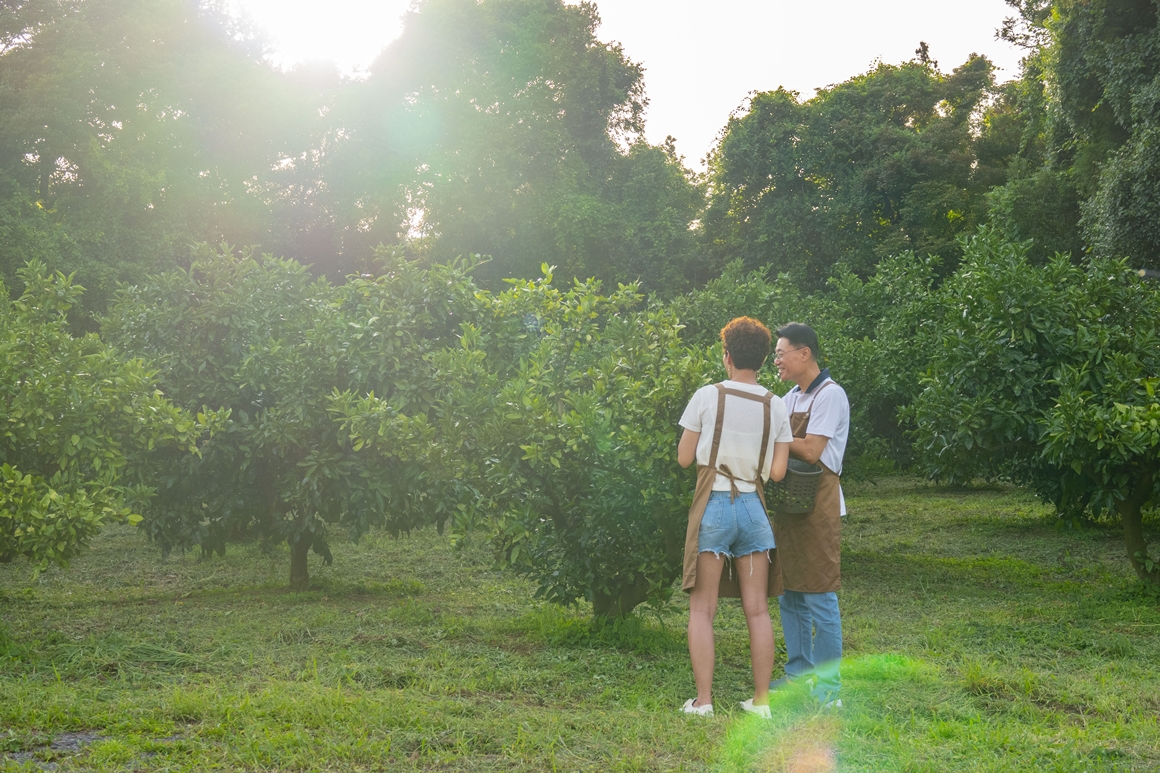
<point>40,754</point>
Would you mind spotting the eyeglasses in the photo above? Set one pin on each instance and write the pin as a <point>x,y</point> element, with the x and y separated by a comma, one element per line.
<point>781,355</point>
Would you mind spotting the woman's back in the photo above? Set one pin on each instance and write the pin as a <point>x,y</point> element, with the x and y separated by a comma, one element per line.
<point>741,432</point>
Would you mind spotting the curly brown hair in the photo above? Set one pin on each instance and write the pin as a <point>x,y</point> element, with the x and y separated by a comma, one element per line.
<point>747,341</point>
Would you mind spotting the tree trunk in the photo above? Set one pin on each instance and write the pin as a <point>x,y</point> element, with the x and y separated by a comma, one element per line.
<point>299,572</point>
<point>619,605</point>
<point>1133,520</point>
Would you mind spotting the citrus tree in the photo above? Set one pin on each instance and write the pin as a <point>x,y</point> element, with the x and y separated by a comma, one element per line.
<point>1045,375</point>
<point>556,430</point>
<point>1110,438</point>
<point>76,422</point>
<point>262,339</point>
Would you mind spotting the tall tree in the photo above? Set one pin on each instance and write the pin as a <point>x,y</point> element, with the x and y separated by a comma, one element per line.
<point>893,160</point>
<point>1088,168</point>
<point>130,128</point>
<point>500,127</point>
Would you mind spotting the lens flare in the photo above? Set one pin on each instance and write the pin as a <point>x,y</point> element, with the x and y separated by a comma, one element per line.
<point>803,736</point>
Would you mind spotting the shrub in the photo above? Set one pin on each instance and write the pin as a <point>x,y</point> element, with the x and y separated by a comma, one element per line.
<point>262,339</point>
<point>1046,376</point>
<point>558,422</point>
<point>75,418</point>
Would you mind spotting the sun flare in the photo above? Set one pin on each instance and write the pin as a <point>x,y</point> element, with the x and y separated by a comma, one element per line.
<point>350,33</point>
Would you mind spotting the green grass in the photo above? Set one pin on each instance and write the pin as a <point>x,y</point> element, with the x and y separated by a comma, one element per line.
<point>978,636</point>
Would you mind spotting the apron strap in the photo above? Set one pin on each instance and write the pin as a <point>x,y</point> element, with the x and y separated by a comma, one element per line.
<point>719,424</point>
<point>768,422</point>
<point>813,399</point>
<point>724,470</point>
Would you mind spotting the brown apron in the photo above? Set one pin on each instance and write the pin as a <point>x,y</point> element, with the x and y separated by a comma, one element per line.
<point>730,587</point>
<point>810,544</point>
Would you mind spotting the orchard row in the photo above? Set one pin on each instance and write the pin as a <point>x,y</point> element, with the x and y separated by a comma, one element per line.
<point>243,398</point>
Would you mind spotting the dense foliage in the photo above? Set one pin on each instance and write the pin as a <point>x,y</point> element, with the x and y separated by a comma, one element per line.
<point>963,248</point>
<point>130,128</point>
<point>259,337</point>
<point>560,413</point>
<point>1087,170</point>
<point>496,128</point>
<point>1046,375</point>
<point>890,161</point>
<point>75,425</point>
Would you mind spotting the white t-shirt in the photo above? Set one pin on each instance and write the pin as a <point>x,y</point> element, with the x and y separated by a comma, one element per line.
<point>829,411</point>
<point>740,433</point>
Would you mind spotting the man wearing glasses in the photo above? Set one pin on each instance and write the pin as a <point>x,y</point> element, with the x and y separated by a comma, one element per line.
<point>809,545</point>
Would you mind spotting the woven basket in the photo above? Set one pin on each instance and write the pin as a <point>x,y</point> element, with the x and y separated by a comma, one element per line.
<point>796,492</point>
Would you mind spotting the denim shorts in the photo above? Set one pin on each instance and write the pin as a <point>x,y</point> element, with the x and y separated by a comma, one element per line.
<point>735,528</point>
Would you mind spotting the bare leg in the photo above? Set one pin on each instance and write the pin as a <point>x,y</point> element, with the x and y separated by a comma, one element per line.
<point>702,611</point>
<point>753,572</point>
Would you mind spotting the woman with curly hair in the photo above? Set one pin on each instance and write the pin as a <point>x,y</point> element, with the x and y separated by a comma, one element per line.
<point>738,433</point>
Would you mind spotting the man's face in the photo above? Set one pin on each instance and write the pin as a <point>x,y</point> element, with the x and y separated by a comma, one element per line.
<point>789,359</point>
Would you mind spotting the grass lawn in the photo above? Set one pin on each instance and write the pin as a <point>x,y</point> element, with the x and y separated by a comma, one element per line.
<point>978,638</point>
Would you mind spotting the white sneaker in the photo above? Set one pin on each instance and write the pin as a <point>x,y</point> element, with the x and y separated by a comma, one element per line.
<point>761,711</point>
<point>834,704</point>
<point>700,711</point>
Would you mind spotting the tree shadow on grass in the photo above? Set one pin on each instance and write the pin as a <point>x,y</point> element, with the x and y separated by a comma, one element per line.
<point>555,626</point>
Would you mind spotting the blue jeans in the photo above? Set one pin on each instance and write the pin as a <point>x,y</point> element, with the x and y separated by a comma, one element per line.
<point>812,627</point>
<point>734,528</point>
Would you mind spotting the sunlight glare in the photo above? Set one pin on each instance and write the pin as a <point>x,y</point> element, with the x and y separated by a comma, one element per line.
<point>702,58</point>
<point>350,33</point>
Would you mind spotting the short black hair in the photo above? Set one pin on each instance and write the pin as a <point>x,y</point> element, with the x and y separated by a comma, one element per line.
<point>748,342</point>
<point>800,334</point>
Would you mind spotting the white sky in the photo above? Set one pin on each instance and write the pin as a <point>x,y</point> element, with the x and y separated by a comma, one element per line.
<point>701,57</point>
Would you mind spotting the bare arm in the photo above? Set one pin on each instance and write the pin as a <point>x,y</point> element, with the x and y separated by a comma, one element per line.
<point>780,459</point>
<point>808,449</point>
<point>687,448</point>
